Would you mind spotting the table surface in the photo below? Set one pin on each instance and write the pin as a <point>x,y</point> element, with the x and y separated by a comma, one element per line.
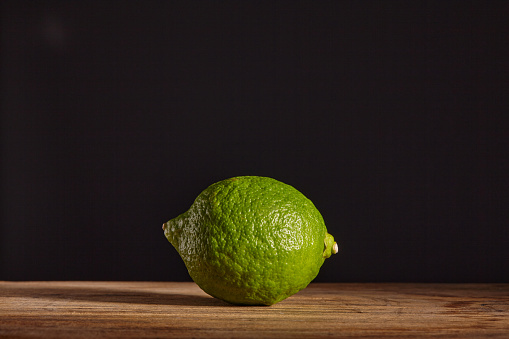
<point>182,310</point>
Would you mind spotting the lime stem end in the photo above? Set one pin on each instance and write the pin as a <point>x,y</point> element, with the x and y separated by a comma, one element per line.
<point>335,248</point>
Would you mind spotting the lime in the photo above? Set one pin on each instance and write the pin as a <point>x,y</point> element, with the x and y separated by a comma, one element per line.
<point>251,240</point>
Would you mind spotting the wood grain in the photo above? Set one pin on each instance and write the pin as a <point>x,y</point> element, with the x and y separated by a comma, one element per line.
<point>182,310</point>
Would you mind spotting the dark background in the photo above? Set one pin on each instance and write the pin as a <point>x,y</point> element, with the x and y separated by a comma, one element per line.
<point>388,115</point>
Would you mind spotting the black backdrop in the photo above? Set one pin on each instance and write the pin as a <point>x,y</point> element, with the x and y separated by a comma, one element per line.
<point>388,115</point>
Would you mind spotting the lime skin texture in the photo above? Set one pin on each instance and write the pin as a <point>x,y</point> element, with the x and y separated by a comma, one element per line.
<point>251,240</point>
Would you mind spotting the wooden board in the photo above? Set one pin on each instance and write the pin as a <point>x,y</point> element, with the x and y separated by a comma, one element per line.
<point>182,310</point>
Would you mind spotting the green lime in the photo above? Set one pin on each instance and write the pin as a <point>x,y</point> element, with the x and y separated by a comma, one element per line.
<point>251,240</point>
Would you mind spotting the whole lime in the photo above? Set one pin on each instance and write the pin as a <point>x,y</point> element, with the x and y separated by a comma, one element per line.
<point>251,240</point>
